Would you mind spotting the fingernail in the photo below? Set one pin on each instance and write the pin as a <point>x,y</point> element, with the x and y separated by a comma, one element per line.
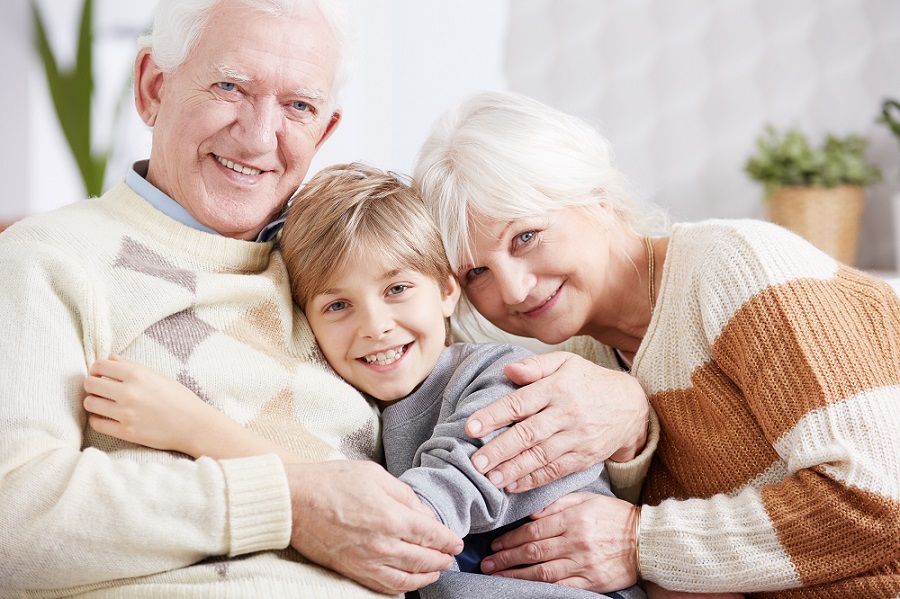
<point>487,566</point>
<point>480,462</point>
<point>512,486</point>
<point>474,427</point>
<point>496,546</point>
<point>496,478</point>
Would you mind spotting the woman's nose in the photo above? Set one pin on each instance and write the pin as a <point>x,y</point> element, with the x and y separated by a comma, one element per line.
<point>515,283</point>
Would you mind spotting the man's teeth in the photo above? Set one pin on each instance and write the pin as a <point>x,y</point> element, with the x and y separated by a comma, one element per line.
<point>239,168</point>
<point>388,357</point>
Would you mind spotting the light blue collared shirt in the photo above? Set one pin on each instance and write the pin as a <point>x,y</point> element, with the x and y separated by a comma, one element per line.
<point>168,206</point>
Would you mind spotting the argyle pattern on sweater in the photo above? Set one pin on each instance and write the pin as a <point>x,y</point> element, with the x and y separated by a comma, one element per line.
<point>81,512</point>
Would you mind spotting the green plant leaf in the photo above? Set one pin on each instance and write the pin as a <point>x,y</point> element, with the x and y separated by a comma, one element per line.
<point>71,91</point>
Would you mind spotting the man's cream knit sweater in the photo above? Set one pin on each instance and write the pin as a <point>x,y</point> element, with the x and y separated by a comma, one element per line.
<point>85,513</point>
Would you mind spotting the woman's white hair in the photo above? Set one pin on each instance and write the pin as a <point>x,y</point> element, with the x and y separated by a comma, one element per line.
<point>178,25</point>
<point>500,155</point>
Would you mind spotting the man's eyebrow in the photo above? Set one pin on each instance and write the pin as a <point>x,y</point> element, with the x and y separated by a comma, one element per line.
<point>231,73</point>
<point>314,95</point>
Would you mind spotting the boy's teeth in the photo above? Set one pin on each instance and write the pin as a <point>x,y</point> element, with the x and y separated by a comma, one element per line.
<point>239,168</point>
<point>388,357</point>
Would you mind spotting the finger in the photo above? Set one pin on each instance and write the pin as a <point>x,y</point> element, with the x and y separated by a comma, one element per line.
<point>551,572</point>
<point>111,368</point>
<point>538,530</point>
<point>509,409</point>
<point>519,450</point>
<point>100,406</point>
<point>102,387</point>
<point>533,368</point>
<point>423,529</point>
<point>391,581</point>
<point>562,466</point>
<point>103,425</point>
<point>563,503</point>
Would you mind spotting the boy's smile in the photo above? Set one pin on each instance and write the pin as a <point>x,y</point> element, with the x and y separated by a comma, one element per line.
<point>382,328</point>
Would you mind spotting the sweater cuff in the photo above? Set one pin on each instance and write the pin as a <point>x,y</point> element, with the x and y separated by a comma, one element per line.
<point>259,504</point>
<point>627,478</point>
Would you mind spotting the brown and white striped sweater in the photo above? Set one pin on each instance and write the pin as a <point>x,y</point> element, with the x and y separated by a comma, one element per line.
<point>84,513</point>
<point>775,373</point>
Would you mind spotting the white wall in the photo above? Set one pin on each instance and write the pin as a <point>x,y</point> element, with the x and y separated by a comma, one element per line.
<point>410,63</point>
<point>683,88</point>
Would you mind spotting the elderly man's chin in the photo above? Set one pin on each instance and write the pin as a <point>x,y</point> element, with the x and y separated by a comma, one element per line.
<point>239,205</point>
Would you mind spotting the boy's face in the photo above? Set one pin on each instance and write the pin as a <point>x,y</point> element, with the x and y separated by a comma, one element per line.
<point>382,329</point>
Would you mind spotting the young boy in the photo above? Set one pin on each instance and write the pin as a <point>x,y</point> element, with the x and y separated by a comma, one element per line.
<point>369,271</point>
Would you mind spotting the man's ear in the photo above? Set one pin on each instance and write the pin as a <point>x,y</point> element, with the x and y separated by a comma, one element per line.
<point>451,295</point>
<point>148,83</point>
<point>333,122</point>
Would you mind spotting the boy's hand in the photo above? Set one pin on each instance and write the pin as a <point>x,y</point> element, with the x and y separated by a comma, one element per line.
<point>135,403</point>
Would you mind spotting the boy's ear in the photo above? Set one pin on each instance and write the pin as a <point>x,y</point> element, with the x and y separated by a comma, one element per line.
<point>451,295</point>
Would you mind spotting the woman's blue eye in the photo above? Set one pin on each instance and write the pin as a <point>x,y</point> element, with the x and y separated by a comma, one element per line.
<point>336,307</point>
<point>526,236</point>
<point>397,289</point>
<point>227,86</point>
<point>474,272</point>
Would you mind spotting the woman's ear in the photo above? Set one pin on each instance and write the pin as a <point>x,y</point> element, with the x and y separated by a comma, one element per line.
<point>148,82</point>
<point>451,294</point>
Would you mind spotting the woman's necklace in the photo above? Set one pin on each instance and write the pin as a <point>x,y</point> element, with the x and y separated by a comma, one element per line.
<point>651,271</point>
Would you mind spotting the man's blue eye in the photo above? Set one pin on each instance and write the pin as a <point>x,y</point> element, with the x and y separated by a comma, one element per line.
<point>301,106</point>
<point>526,236</point>
<point>227,86</point>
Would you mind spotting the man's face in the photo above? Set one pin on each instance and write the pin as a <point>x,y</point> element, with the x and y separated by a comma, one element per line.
<point>236,126</point>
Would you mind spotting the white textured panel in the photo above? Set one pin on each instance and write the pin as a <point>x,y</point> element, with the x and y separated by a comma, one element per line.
<point>682,89</point>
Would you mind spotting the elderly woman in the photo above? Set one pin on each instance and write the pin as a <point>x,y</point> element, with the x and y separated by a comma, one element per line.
<point>773,369</point>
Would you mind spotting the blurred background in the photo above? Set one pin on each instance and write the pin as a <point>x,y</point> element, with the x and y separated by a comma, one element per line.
<point>682,88</point>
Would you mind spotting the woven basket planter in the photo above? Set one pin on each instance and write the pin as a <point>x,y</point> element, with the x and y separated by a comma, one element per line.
<point>827,217</point>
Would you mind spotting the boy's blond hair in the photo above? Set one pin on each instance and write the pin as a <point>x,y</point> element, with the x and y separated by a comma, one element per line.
<point>351,212</point>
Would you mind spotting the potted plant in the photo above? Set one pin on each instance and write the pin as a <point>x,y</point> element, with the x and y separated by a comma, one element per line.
<point>816,192</point>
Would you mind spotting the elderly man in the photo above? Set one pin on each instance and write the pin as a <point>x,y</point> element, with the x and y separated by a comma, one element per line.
<point>172,268</point>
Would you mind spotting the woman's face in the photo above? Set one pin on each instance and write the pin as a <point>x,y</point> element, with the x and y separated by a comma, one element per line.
<point>538,276</point>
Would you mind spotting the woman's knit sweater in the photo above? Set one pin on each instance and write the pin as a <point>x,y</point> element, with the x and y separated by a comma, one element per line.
<point>775,373</point>
<point>81,512</point>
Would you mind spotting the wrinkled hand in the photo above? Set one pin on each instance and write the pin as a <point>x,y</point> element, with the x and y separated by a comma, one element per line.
<point>655,591</point>
<point>360,521</point>
<point>571,415</point>
<point>581,540</point>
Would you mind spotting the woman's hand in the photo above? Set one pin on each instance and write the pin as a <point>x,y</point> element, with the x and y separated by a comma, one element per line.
<point>581,540</point>
<point>135,403</point>
<point>571,414</point>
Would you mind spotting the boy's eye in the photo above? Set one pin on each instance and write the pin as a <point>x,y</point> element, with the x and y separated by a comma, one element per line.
<point>336,306</point>
<point>396,289</point>
<point>227,86</point>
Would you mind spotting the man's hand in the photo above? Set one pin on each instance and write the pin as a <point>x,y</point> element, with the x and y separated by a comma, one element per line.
<point>358,520</point>
<point>571,415</point>
<point>581,540</point>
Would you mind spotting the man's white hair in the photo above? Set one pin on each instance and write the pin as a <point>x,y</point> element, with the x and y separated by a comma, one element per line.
<point>179,24</point>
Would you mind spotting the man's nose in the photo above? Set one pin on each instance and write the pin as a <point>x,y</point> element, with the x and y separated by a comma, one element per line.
<point>259,126</point>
